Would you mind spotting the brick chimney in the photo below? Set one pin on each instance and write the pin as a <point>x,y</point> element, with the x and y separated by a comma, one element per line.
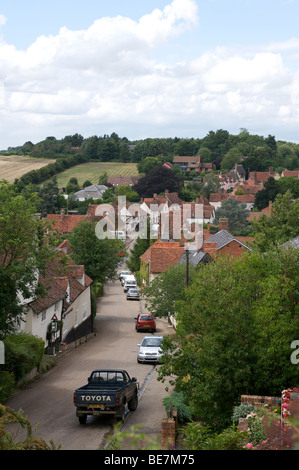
<point>62,213</point>
<point>223,222</point>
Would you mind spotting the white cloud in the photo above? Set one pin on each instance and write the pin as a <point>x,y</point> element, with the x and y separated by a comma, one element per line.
<point>3,20</point>
<point>106,76</point>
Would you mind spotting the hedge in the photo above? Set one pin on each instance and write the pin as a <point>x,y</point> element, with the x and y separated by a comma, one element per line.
<point>23,353</point>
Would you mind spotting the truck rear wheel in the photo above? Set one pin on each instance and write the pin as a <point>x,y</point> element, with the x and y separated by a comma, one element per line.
<point>122,414</point>
<point>82,419</point>
<point>133,403</point>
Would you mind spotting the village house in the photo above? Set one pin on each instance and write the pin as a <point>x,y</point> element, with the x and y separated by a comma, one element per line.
<point>261,177</point>
<point>191,163</point>
<point>286,173</point>
<point>158,258</point>
<point>247,188</point>
<point>224,243</point>
<point>237,173</point>
<point>63,312</point>
<point>64,223</point>
<point>117,181</point>
<point>94,191</point>
<point>216,199</point>
<point>157,206</point>
<point>248,199</point>
<point>256,215</point>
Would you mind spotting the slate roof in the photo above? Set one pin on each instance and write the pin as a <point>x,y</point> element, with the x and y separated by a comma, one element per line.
<point>94,191</point>
<point>195,257</point>
<point>222,238</point>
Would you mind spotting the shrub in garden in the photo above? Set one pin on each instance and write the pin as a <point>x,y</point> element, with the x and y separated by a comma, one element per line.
<point>177,401</point>
<point>7,385</point>
<point>22,354</point>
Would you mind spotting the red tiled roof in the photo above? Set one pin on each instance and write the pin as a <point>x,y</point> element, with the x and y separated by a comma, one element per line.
<point>60,274</point>
<point>162,255</point>
<point>65,223</point>
<point>247,198</point>
<point>286,173</point>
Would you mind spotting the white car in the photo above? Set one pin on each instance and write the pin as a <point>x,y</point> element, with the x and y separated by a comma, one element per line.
<point>122,274</point>
<point>150,349</point>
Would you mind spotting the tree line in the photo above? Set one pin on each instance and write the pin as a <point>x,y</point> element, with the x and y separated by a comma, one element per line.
<point>222,149</point>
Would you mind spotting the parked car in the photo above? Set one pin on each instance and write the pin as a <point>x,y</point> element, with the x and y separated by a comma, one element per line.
<point>145,321</point>
<point>130,283</point>
<point>122,274</point>
<point>150,349</point>
<point>133,294</point>
<point>127,277</point>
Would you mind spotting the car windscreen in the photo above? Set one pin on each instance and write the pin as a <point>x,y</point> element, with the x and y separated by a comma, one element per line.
<point>145,318</point>
<point>151,342</point>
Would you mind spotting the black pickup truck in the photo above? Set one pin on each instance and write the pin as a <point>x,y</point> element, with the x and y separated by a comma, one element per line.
<point>107,392</point>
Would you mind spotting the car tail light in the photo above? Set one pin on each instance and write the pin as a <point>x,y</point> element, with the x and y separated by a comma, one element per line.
<point>117,399</point>
<point>75,398</point>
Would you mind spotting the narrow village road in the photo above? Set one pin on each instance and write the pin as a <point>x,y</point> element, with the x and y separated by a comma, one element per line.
<point>48,402</point>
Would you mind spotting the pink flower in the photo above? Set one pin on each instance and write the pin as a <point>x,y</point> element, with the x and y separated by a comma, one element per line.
<point>249,445</point>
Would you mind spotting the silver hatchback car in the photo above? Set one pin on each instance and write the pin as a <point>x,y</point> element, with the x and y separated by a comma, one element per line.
<point>150,349</point>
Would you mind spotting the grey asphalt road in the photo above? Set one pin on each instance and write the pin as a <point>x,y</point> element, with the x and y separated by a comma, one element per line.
<point>48,401</point>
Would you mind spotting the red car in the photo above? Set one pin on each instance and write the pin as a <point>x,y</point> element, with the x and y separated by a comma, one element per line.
<point>145,321</point>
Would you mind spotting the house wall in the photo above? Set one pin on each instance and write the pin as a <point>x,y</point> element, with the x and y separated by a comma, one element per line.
<point>77,312</point>
<point>143,273</point>
<point>233,248</point>
<point>37,324</point>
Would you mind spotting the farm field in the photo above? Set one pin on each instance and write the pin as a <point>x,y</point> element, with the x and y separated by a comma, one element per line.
<point>14,166</point>
<point>93,170</point>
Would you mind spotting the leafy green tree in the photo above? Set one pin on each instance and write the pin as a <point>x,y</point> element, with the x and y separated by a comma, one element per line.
<point>103,178</point>
<point>100,257</point>
<point>72,186</point>
<point>235,211</point>
<point>127,191</point>
<point>146,165</point>
<point>166,289</point>
<point>156,181</point>
<point>237,340</point>
<point>140,247</point>
<point>211,185</point>
<point>50,199</point>
<point>23,253</point>
<point>268,193</point>
<point>205,154</point>
<point>281,226</point>
<point>230,158</point>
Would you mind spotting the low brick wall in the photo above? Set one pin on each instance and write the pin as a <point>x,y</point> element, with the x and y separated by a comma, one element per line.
<point>169,430</point>
<point>259,400</point>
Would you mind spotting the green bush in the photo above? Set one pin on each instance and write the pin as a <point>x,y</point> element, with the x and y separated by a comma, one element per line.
<point>241,411</point>
<point>22,354</point>
<point>7,385</point>
<point>98,288</point>
<point>177,401</point>
<point>196,436</point>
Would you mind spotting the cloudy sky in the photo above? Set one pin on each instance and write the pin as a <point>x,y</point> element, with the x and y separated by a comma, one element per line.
<point>150,68</point>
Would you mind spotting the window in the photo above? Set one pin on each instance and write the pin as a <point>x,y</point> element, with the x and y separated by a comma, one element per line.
<point>44,316</point>
<point>84,311</point>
